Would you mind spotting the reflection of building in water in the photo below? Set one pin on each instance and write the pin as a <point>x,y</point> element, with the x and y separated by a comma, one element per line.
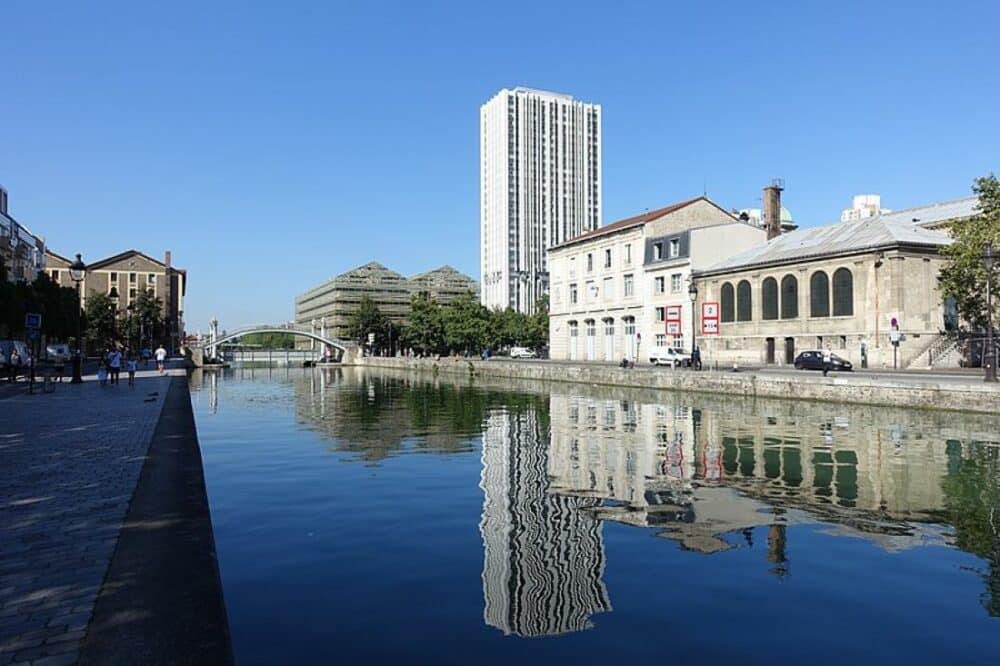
<point>543,556</point>
<point>658,465</point>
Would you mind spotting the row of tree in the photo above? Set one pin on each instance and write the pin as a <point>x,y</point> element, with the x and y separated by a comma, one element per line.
<point>102,323</point>
<point>57,305</point>
<point>462,325</point>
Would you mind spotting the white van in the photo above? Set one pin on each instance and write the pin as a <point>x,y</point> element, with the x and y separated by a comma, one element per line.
<point>671,356</point>
<point>522,352</point>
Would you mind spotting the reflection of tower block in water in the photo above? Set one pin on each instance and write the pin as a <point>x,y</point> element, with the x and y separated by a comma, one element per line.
<point>543,558</point>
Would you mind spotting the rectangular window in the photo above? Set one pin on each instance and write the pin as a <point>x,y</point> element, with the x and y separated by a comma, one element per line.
<point>661,314</point>
<point>609,291</point>
<point>114,279</point>
<point>628,254</point>
<point>657,251</point>
<point>629,286</point>
<point>55,276</point>
<point>151,278</point>
<point>659,285</point>
<point>661,340</point>
<point>572,294</point>
<point>590,262</point>
<point>675,283</point>
<point>675,248</point>
<point>607,258</point>
<point>132,278</point>
<point>131,294</point>
<point>591,292</point>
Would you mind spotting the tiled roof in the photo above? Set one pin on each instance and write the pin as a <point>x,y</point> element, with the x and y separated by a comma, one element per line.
<point>635,221</point>
<point>903,227</point>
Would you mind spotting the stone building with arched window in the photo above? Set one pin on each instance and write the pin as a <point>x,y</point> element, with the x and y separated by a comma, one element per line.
<point>839,286</point>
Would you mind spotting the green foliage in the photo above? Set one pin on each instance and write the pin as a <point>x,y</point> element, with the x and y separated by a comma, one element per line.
<point>369,319</point>
<point>424,330</point>
<point>100,317</point>
<point>269,340</point>
<point>972,498</point>
<point>144,323</point>
<point>964,276</point>
<point>465,326</point>
<point>57,305</point>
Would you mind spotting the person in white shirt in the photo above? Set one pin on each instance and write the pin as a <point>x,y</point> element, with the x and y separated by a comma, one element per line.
<point>161,357</point>
<point>114,365</point>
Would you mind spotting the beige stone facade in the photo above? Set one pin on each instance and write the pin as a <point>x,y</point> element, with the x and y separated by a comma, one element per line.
<point>130,273</point>
<point>622,290</point>
<point>839,287</point>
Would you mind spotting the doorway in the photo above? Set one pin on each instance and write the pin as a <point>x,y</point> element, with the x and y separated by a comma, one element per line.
<point>789,351</point>
<point>770,351</point>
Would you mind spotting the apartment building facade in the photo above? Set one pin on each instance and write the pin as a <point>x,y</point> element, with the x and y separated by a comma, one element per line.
<point>619,291</point>
<point>21,252</point>
<point>129,274</point>
<point>540,185</point>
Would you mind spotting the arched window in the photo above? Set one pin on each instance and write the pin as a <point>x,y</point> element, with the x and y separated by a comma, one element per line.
<point>843,293</point>
<point>727,303</point>
<point>744,302</point>
<point>769,298</point>
<point>789,297</point>
<point>819,295</point>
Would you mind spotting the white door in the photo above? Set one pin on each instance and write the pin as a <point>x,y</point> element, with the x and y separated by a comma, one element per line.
<point>573,334</point>
<point>609,339</point>
<point>591,340</point>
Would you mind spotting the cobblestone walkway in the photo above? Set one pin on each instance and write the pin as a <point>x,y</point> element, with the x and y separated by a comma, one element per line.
<point>69,463</point>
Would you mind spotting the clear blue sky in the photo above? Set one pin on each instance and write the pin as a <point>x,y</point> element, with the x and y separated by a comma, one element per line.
<point>271,147</point>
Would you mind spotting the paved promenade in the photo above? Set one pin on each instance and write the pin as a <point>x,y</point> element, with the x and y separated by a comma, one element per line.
<point>70,463</point>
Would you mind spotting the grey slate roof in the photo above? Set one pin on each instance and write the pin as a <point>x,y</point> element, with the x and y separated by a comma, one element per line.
<point>903,227</point>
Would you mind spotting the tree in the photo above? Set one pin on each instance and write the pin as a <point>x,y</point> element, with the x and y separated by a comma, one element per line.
<point>145,322</point>
<point>964,276</point>
<point>100,318</point>
<point>269,340</point>
<point>424,331</point>
<point>537,333</point>
<point>369,319</point>
<point>466,323</point>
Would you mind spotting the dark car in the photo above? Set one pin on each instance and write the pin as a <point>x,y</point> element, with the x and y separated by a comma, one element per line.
<point>813,360</point>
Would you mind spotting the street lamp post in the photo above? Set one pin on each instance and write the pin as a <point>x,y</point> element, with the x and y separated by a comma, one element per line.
<point>113,296</point>
<point>989,259</point>
<point>693,294</point>
<point>76,271</point>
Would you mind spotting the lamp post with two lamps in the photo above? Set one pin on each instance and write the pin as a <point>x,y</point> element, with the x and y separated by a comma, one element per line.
<point>990,353</point>
<point>77,270</point>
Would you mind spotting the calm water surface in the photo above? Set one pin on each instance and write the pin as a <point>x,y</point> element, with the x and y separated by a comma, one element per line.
<point>363,515</point>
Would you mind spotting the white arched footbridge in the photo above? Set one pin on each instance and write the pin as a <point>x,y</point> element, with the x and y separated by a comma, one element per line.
<point>344,347</point>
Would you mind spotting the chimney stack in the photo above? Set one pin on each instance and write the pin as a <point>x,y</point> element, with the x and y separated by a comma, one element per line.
<point>166,258</point>
<point>772,208</point>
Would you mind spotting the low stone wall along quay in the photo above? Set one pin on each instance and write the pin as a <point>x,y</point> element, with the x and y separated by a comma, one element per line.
<point>958,393</point>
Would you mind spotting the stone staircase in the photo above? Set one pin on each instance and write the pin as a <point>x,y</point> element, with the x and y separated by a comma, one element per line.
<point>943,351</point>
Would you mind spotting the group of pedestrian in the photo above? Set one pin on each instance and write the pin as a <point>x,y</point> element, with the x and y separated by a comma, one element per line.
<point>113,359</point>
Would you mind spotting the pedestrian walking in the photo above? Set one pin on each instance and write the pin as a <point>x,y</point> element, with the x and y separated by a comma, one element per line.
<point>132,366</point>
<point>114,365</point>
<point>696,358</point>
<point>161,358</point>
<point>827,360</point>
<point>14,364</point>
<point>102,375</point>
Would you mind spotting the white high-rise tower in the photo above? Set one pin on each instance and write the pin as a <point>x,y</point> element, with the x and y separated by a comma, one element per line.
<point>540,185</point>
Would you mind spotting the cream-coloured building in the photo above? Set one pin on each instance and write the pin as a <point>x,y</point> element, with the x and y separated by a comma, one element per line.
<point>852,287</point>
<point>129,274</point>
<point>621,290</point>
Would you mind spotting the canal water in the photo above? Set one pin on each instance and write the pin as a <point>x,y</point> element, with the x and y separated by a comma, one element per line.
<point>390,516</point>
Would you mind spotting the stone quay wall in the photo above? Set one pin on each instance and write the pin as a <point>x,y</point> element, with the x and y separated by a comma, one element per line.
<point>955,394</point>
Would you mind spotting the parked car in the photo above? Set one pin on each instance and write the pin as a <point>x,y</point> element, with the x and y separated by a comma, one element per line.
<point>813,360</point>
<point>671,356</point>
<point>522,352</point>
<point>58,353</point>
